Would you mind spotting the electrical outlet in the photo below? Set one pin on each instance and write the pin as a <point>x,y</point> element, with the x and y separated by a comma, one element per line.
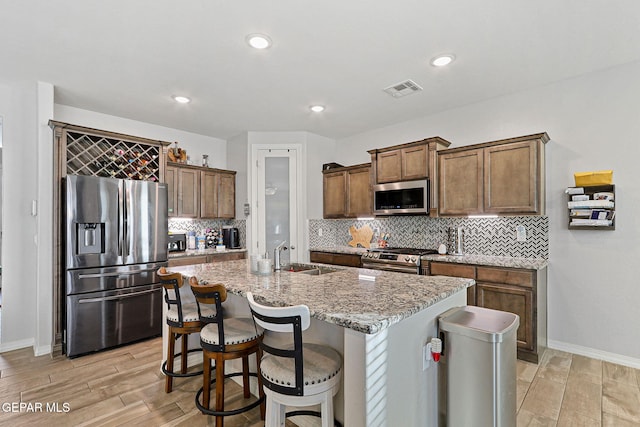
<point>319,232</point>
<point>521,233</point>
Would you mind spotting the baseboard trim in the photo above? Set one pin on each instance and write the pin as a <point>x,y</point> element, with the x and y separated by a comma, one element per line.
<point>42,350</point>
<point>595,354</point>
<point>16,345</point>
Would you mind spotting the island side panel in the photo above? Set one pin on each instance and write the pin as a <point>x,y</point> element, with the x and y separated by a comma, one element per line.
<point>384,383</point>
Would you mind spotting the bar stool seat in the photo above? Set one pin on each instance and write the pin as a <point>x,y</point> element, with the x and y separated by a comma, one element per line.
<point>237,330</point>
<point>189,313</point>
<point>183,320</point>
<point>321,365</point>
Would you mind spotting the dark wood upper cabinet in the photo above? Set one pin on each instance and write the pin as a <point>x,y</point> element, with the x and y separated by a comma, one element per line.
<point>196,192</point>
<point>498,177</point>
<point>461,183</point>
<point>347,192</point>
<point>409,162</point>
<point>188,190</point>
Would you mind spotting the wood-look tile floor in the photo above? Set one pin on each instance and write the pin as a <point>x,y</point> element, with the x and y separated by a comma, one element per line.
<point>124,386</point>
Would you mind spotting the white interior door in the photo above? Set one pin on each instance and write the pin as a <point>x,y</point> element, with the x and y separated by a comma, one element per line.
<point>277,202</point>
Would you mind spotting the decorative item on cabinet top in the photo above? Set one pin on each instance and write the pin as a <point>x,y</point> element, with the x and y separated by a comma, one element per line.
<point>95,152</point>
<point>176,154</point>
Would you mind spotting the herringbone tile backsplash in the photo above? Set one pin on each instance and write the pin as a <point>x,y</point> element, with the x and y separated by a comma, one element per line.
<point>483,236</point>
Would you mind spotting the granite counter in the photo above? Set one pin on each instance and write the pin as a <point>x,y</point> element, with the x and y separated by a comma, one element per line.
<point>491,261</point>
<point>367,301</point>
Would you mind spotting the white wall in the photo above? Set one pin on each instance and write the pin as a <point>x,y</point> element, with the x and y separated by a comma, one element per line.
<point>18,108</point>
<point>320,150</point>
<point>195,144</point>
<point>44,274</point>
<point>594,123</point>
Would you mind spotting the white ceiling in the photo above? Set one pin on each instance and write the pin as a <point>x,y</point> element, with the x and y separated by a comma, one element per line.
<point>127,57</point>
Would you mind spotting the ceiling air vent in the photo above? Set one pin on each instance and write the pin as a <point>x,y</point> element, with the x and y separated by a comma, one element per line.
<point>406,87</point>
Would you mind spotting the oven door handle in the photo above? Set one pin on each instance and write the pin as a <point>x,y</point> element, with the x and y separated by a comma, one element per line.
<point>387,267</point>
<point>116,297</point>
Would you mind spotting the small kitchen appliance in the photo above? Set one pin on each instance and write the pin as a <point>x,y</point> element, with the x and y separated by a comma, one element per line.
<point>231,237</point>
<point>455,242</point>
<point>401,198</point>
<point>402,260</point>
<point>177,242</point>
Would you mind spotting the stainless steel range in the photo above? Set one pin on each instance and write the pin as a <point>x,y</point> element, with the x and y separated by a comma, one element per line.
<point>403,260</point>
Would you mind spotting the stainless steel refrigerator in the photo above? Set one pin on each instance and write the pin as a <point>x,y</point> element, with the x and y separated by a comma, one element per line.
<point>116,239</point>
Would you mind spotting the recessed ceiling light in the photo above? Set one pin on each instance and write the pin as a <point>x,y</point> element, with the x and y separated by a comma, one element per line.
<point>259,41</point>
<point>317,108</point>
<point>442,60</point>
<point>181,99</point>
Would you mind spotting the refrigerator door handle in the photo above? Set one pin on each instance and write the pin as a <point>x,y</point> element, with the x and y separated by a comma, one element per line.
<point>116,297</point>
<point>125,234</point>
<point>120,220</point>
<point>119,274</point>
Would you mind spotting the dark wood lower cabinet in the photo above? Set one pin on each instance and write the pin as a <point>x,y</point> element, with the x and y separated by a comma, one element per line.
<point>203,259</point>
<point>514,300</point>
<point>514,290</point>
<point>348,260</point>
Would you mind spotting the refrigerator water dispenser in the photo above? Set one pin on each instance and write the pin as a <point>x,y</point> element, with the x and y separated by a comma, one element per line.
<point>90,238</point>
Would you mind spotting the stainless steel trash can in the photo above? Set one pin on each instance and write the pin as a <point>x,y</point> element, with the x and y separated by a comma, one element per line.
<point>478,367</point>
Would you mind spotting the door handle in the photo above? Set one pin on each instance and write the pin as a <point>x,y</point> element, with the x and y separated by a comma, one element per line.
<point>114,274</point>
<point>116,297</point>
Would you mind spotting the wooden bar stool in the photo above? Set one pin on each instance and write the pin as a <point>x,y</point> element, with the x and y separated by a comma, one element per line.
<point>225,339</point>
<point>183,319</point>
<point>294,373</point>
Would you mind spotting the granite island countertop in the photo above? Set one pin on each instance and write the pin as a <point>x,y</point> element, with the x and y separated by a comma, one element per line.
<point>200,252</point>
<point>346,297</point>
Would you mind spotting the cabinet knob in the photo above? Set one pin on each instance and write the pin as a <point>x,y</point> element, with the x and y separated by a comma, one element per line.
<point>292,247</point>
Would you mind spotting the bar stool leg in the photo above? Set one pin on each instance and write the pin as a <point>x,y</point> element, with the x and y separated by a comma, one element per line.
<point>245,376</point>
<point>219,388</point>
<point>170,352</point>
<point>326,409</point>
<point>185,341</point>
<point>206,379</point>
<point>260,389</point>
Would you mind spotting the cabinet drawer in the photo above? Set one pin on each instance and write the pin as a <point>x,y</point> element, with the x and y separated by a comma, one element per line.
<point>226,257</point>
<point>454,270</point>
<point>188,260</point>
<point>347,260</point>
<point>321,257</point>
<point>507,276</point>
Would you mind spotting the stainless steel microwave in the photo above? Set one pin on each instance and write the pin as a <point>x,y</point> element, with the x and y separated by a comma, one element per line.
<point>408,197</point>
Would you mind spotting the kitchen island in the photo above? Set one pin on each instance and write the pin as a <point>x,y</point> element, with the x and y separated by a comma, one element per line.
<point>379,321</point>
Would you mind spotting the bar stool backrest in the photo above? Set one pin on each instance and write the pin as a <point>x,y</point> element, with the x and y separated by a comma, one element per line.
<point>209,299</point>
<point>285,320</point>
<point>172,282</point>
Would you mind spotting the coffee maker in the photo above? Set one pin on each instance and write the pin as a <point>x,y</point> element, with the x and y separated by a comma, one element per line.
<point>231,237</point>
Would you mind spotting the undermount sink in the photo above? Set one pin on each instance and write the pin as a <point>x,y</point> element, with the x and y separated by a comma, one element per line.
<point>311,269</point>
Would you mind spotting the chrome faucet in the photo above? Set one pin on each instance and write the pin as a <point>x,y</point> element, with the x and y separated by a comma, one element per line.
<point>276,255</point>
